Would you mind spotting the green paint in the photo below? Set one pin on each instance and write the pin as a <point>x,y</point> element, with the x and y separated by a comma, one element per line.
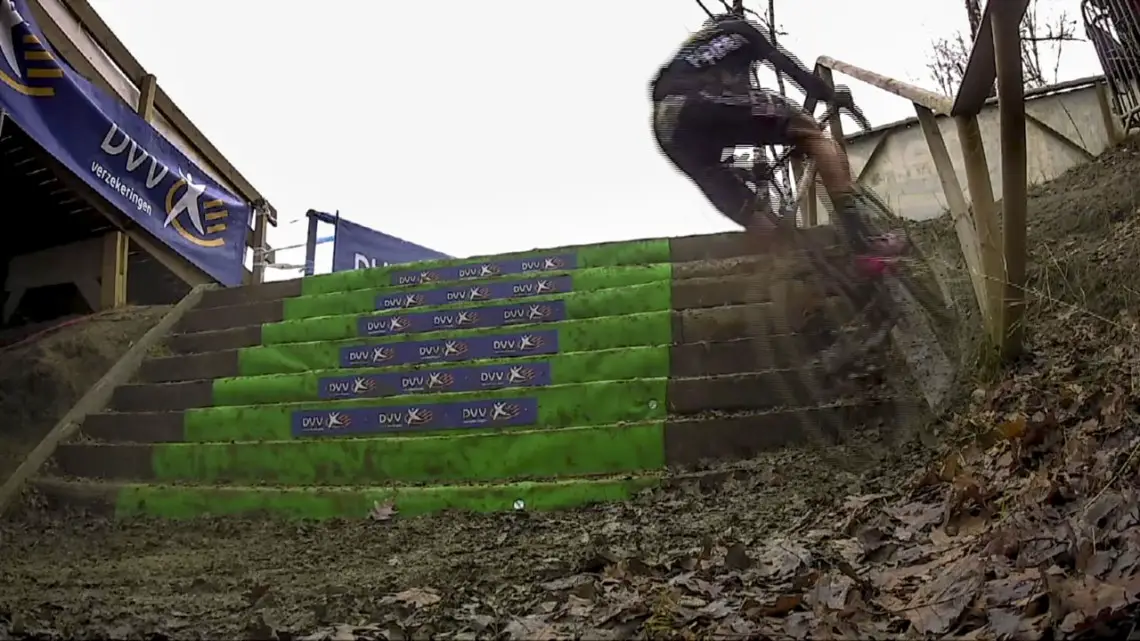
<point>505,456</point>
<point>619,301</point>
<point>558,406</point>
<point>577,367</point>
<point>361,301</point>
<point>636,252</point>
<point>605,332</point>
<point>183,502</point>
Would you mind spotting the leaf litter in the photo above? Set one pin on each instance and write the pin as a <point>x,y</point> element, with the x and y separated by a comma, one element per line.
<point>1022,523</point>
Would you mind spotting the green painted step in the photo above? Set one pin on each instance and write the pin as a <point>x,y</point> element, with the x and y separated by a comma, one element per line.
<point>183,502</point>
<point>455,458</point>
<point>558,406</point>
<point>583,280</point>
<point>636,252</point>
<point>650,297</point>
<point>591,334</point>
<point>575,367</point>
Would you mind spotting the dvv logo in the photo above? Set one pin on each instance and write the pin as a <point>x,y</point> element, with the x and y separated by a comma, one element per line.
<point>496,413</point>
<point>358,386</point>
<point>533,288</point>
<point>18,43</point>
<point>445,349</point>
<point>364,356</point>
<point>426,276</point>
<point>486,270</point>
<point>331,421</point>
<point>436,381</point>
<point>515,375</point>
<point>543,264</point>
<point>527,313</point>
<point>524,343</point>
<point>468,294</point>
<point>386,325</point>
<point>461,318</point>
<point>402,301</point>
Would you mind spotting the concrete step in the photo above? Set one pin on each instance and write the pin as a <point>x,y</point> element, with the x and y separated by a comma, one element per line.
<point>701,248</point>
<point>690,293</point>
<point>636,447</point>
<point>694,325</point>
<point>554,406</point>
<point>684,361</point>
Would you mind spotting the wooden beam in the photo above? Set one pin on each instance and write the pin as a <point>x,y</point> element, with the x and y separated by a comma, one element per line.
<point>113,274</point>
<point>147,90</point>
<point>956,202</point>
<point>937,103</point>
<point>95,399</point>
<point>106,39</point>
<point>1005,23</point>
<point>985,219</point>
<point>978,81</point>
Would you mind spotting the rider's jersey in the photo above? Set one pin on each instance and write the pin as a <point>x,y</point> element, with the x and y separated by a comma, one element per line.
<point>720,57</point>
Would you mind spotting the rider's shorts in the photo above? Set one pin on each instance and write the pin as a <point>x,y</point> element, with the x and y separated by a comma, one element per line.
<point>694,129</point>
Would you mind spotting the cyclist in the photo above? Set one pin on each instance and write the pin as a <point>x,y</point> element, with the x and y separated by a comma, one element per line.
<point>704,102</point>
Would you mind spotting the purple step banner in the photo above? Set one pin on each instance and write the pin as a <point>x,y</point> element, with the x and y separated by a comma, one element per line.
<point>476,293</point>
<point>106,144</point>
<point>423,417</point>
<point>450,350</point>
<point>476,318</point>
<point>436,381</point>
<point>487,269</point>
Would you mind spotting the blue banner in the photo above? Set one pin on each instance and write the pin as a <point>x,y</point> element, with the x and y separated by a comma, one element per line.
<point>476,293</point>
<point>358,247</point>
<point>451,349</point>
<point>436,381</point>
<point>106,144</point>
<point>472,271</point>
<point>416,418</point>
<point>478,318</point>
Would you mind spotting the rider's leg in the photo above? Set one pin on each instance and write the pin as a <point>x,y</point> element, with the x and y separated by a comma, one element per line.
<point>834,173</point>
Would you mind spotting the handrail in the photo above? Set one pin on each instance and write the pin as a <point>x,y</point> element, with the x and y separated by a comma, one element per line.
<point>937,103</point>
<point>995,254</point>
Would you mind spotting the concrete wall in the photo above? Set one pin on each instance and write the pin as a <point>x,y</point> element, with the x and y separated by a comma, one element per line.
<point>895,160</point>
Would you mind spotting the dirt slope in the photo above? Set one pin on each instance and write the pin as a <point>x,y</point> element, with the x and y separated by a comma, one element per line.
<point>1025,524</point>
<point>43,373</point>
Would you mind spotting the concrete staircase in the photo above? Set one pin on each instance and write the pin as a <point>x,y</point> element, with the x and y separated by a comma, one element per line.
<point>547,379</point>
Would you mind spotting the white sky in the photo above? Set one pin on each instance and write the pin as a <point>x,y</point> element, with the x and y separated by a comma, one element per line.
<point>482,127</point>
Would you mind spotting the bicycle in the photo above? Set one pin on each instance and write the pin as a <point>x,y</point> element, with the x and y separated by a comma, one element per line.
<point>887,298</point>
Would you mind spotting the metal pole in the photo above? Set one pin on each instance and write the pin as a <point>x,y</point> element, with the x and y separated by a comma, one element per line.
<point>311,243</point>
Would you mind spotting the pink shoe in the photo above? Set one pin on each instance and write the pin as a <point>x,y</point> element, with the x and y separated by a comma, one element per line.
<point>884,254</point>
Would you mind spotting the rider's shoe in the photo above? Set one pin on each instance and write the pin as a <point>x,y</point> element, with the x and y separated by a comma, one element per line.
<point>880,255</point>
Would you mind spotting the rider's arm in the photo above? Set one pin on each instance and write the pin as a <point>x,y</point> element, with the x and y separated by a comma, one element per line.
<point>808,82</point>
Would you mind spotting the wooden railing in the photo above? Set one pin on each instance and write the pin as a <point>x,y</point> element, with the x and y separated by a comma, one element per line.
<point>994,254</point>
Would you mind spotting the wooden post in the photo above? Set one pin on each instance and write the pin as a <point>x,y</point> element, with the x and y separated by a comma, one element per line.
<point>985,220</point>
<point>1011,107</point>
<point>147,90</point>
<point>261,222</point>
<point>955,200</point>
<point>113,275</point>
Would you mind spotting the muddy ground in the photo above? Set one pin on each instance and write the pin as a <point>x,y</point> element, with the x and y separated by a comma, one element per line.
<point>45,371</point>
<point>1023,523</point>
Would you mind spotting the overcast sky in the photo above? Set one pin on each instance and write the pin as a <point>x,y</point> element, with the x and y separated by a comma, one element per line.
<point>481,127</point>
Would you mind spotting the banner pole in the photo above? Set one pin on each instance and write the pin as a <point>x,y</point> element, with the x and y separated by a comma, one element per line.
<point>311,244</point>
